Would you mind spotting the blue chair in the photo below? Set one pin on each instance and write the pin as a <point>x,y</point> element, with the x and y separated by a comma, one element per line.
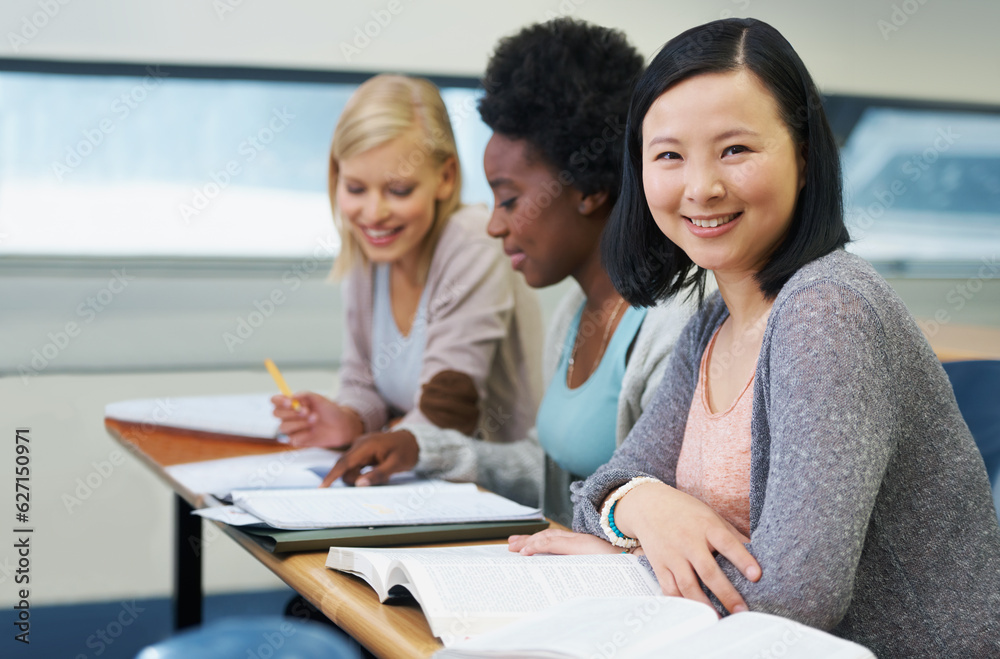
<point>263,637</point>
<point>977,389</point>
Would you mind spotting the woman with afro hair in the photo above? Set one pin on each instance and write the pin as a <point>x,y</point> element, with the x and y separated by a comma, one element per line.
<point>557,94</point>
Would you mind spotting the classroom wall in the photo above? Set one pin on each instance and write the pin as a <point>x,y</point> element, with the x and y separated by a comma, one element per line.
<point>922,48</point>
<point>116,544</point>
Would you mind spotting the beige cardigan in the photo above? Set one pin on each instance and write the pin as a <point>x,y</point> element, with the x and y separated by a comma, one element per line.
<point>482,320</point>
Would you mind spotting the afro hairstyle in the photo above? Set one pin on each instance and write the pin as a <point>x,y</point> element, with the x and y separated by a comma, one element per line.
<point>564,86</point>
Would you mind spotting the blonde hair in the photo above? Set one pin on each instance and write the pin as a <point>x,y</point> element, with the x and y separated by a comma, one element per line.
<point>381,109</point>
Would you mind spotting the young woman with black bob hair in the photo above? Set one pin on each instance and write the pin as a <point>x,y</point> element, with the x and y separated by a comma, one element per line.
<point>804,454</point>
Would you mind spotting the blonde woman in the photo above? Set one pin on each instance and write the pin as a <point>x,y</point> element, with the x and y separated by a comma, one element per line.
<point>439,330</point>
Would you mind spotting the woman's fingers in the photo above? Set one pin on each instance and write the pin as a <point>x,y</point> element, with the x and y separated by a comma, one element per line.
<point>731,546</point>
<point>350,464</point>
<point>556,541</point>
<point>709,573</point>
<point>666,579</point>
<point>285,407</point>
<point>304,438</point>
<point>380,473</point>
<point>292,426</point>
<point>294,415</point>
<point>688,583</point>
<point>515,542</point>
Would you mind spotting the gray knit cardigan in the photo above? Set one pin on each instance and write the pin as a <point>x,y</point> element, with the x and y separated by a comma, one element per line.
<point>870,509</point>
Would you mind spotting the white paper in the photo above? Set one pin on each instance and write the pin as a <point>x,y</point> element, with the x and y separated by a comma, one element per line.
<point>229,515</point>
<point>304,468</point>
<point>748,635</point>
<point>244,415</point>
<point>653,628</point>
<point>428,502</point>
<point>591,627</point>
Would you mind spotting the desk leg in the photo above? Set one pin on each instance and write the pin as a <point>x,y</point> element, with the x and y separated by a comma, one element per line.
<point>187,567</point>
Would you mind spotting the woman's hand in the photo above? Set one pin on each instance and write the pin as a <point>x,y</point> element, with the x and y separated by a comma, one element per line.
<point>679,534</point>
<point>318,421</point>
<point>557,541</point>
<point>386,452</point>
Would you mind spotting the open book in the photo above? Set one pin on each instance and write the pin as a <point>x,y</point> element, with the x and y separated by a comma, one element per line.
<point>466,591</point>
<point>653,628</point>
<point>488,602</point>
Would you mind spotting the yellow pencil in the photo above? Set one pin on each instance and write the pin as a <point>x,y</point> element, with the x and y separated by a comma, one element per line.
<point>282,385</point>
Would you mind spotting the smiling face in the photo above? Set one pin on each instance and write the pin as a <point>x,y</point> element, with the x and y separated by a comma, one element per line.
<point>388,204</point>
<point>720,170</point>
<point>539,219</point>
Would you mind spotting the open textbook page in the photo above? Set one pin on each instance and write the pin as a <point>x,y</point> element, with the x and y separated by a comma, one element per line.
<point>652,628</point>
<point>426,502</point>
<point>242,415</point>
<point>466,591</point>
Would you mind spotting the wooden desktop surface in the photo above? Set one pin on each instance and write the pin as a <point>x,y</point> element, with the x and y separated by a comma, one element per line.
<point>960,342</point>
<point>397,630</point>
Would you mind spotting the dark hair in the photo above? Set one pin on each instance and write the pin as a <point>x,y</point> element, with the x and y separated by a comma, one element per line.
<point>643,264</point>
<point>564,87</point>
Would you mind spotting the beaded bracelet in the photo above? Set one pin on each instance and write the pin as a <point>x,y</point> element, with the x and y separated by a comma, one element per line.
<point>615,536</point>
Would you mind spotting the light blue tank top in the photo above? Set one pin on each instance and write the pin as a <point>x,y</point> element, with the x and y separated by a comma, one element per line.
<point>577,427</point>
<point>396,359</point>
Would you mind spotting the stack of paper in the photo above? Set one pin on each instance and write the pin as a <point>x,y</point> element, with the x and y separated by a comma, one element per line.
<point>287,469</point>
<point>244,415</point>
<point>426,502</point>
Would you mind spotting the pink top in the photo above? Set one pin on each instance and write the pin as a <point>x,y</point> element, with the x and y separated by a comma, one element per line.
<point>714,463</point>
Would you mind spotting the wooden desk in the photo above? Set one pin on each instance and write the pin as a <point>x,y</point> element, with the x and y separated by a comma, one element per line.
<point>959,342</point>
<point>386,630</point>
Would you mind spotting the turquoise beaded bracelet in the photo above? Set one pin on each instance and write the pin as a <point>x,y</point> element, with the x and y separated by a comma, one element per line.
<point>611,530</point>
<point>611,520</point>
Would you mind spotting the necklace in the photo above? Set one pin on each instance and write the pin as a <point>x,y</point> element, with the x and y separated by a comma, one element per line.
<point>604,343</point>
